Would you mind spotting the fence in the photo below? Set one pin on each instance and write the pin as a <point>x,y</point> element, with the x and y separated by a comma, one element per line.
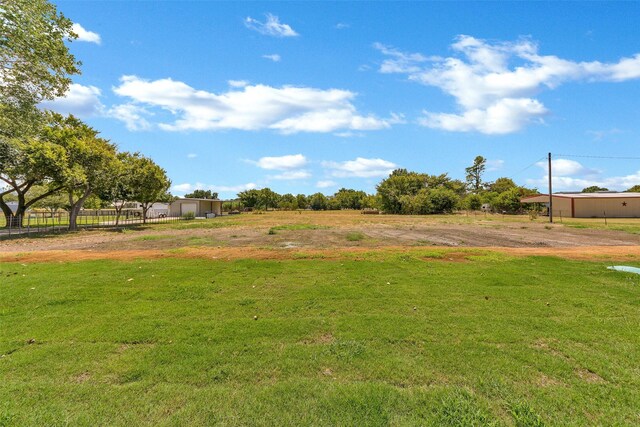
<point>58,222</point>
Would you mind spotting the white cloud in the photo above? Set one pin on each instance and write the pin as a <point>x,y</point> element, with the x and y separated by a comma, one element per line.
<point>292,161</point>
<point>494,84</point>
<point>188,187</point>
<point>567,183</point>
<point>286,109</point>
<point>192,156</point>
<point>291,175</point>
<point>238,83</point>
<point>360,167</point>
<point>82,101</point>
<point>342,26</point>
<point>131,115</point>
<point>271,27</point>
<point>566,167</point>
<point>494,165</point>
<point>273,57</point>
<point>569,175</point>
<point>326,184</point>
<point>84,35</point>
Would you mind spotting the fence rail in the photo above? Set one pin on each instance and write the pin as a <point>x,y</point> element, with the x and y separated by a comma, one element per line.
<point>58,222</point>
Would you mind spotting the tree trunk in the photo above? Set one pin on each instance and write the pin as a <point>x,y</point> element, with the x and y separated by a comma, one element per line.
<point>145,209</point>
<point>13,220</point>
<point>75,208</point>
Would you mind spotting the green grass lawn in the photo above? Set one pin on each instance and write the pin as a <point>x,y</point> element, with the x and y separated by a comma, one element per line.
<point>395,340</point>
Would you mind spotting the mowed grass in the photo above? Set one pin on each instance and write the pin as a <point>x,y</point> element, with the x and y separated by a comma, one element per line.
<point>394,340</point>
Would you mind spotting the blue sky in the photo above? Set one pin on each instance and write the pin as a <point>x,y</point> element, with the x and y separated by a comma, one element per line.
<point>313,96</point>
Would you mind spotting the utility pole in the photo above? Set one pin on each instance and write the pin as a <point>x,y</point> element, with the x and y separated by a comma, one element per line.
<point>550,193</point>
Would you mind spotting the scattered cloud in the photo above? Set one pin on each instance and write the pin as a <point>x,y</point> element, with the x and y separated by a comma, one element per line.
<point>326,184</point>
<point>569,175</point>
<point>286,109</point>
<point>599,135</point>
<point>271,27</point>
<point>494,83</point>
<point>192,156</point>
<point>273,57</point>
<point>360,168</point>
<point>566,167</point>
<point>132,115</point>
<point>342,26</point>
<point>494,165</point>
<point>238,83</point>
<point>84,35</point>
<point>81,101</point>
<point>568,183</point>
<point>291,175</point>
<point>289,162</point>
<point>188,187</point>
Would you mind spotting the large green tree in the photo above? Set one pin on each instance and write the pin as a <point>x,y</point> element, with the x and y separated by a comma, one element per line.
<point>25,163</point>
<point>89,164</point>
<point>35,65</point>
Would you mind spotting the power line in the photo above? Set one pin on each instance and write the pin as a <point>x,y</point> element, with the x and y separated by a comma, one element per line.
<point>530,166</point>
<point>597,157</point>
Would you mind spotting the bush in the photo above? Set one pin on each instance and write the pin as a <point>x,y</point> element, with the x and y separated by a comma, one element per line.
<point>189,216</point>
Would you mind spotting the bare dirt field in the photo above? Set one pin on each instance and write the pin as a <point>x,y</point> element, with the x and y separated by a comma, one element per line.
<point>288,234</point>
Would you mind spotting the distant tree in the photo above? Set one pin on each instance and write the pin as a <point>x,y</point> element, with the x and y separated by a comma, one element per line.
<point>318,202</point>
<point>473,202</point>
<point>594,189</point>
<point>149,184</point>
<point>250,198</point>
<point>509,201</point>
<point>288,202</point>
<point>349,199</point>
<point>268,198</point>
<point>202,194</point>
<point>501,185</point>
<point>302,201</point>
<point>474,174</point>
<point>634,189</point>
<point>53,203</point>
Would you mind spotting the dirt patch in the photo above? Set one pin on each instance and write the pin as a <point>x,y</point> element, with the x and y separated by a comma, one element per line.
<point>80,378</point>
<point>598,253</point>
<point>324,338</point>
<point>589,376</point>
<point>545,381</point>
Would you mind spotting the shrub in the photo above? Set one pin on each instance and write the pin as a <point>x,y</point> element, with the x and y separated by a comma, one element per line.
<point>189,216</point>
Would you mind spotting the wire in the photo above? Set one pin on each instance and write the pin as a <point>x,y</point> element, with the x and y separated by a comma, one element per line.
<point>531,165</point>
<point>597,157</point>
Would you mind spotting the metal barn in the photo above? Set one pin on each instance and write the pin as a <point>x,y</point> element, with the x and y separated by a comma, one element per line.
<point>591,205</point>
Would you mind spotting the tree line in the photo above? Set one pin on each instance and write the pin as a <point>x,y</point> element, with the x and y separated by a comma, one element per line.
<point>45,157</point>
<point>404,192</point>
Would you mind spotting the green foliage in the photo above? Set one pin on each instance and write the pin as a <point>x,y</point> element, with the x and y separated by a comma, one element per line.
<point>189,216</point>
<point>288,202</point>
<point>350,199</point>
<point>634,189</point>
<point>509,201</point>
<point>202,194</point>
<point>594,189</point>
<point>415,193</point>
<point>355,236</point>
<point>472,202</point>
<point>302,201</point>
<point>318,202</point>
<point>501,185</point>
<point>250,198</point>
<point>474,174</point>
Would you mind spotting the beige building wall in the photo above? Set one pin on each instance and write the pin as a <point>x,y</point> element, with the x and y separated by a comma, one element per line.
<point>611,207</point>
